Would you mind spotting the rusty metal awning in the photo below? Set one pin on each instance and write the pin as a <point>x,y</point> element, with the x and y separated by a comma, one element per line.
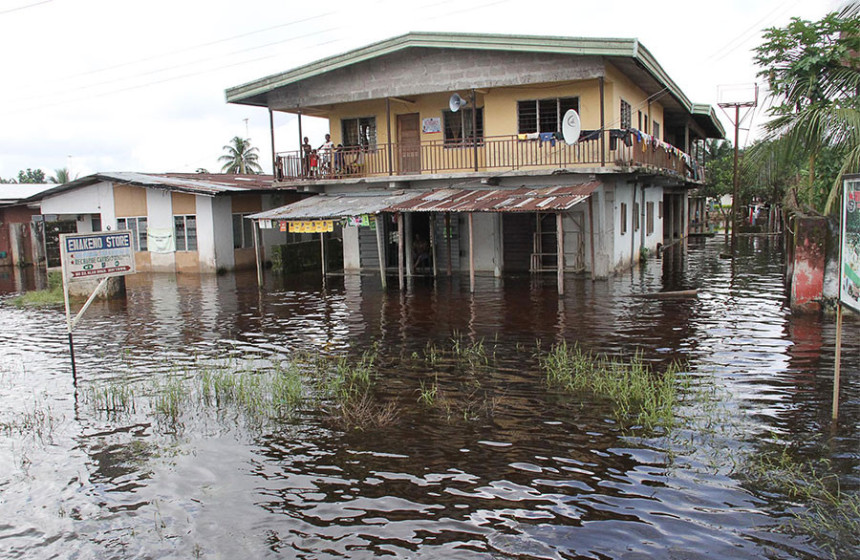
<point>522,199</point>
<point>329,206</point>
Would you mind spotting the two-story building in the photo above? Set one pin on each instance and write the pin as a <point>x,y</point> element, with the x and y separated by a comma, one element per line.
<point>458,141</point>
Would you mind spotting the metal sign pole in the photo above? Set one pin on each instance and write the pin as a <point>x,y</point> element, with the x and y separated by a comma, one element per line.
<point>69,329</point>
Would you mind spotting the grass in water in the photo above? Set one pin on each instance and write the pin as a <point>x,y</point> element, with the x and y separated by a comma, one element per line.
<point>43,298</point>
<point>635,390</point>
<point>827,513</point>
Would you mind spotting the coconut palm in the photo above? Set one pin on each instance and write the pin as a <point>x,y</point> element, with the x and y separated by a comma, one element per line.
<point>241,157</point>
<point>813,71</point>
<point>61,176</point>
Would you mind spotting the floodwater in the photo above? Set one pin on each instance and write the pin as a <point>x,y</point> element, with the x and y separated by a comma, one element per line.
<point>506,467</point>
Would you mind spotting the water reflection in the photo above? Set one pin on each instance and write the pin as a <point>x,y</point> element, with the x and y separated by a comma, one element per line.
<point>511,469</point>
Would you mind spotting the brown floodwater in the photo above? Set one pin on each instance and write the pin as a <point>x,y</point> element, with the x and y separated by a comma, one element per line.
<point>502,465</point>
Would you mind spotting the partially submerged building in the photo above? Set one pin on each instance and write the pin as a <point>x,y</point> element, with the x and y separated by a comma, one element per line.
<point>456,142</point>
<point>20,225</point>
<point>181,222</point>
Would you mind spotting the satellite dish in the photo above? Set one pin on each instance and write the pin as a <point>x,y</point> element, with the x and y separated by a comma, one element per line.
<point>456,102</point>
<point>571,126</point>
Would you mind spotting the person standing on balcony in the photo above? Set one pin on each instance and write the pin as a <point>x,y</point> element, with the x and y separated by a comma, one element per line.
<point>325,155</point>
<point>306,157</point>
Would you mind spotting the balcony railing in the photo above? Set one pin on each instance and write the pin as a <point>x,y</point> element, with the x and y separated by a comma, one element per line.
<point>499,153</point>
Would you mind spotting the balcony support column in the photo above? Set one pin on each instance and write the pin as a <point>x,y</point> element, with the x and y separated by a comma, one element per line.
<point>408,242</point>
<point>448,239</point>
<point>388,124</point>
<point>602,122</point>
<point>433,242</point>
<point>471,255</point>
<point>272,137</point>
<point>474,130</point>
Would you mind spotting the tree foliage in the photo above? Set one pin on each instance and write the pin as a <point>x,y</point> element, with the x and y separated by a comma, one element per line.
<point>241,157</point>
<point>31,176</point>
<point>61,176</point>
<point>812,70</point>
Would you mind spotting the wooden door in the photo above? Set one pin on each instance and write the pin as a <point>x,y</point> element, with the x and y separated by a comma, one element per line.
<point>409,143</point>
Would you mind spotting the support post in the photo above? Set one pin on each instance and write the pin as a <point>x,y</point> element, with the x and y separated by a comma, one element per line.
<point>400,276</point>
<point>471,255</point>
<point>475,128</point>
<point>388,124</point>
<point>380,250</point>
<point>69,328</point>
<point>600,82</point>
<point>837,364</point>
<point>591,233</point>
<point>559,222</point>
<point>433,242</point>
<point>322,254</point>
<point>448,239</point>
<point>274,153</point>
<point>256,227</point>
<point>408,244</point>
<point>735,186</point>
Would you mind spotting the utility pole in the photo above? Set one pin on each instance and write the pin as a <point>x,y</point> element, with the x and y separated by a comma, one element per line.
<point>736,121</point>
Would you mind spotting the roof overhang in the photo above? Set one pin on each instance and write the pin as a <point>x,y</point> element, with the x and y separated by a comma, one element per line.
<point>627,54</point>
<point>462,200</point>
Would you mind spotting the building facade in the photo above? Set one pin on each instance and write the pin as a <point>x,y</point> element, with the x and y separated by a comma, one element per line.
<point>180,222</point>
<point>457,142</point>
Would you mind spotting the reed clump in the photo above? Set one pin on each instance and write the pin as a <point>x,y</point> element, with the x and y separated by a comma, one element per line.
<point>829,514</point>
<point>49,297</point>
<point>635,390</point>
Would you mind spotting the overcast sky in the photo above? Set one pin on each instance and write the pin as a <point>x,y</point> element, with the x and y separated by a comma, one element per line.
<point>107,85</point>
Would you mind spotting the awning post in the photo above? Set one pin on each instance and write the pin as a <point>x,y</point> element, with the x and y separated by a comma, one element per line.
<point>433,241</point>
<point>322,253</point>
<point>591,233</point>
<point>559,220</point>
<point>448,238</point>
<point>471,255</point>
<point>400,250</point>
<point>380,249</point>
<point>256,224</point>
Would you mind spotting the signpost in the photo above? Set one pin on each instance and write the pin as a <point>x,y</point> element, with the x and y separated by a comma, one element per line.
<point>849,269</point>
<point>87,256</point>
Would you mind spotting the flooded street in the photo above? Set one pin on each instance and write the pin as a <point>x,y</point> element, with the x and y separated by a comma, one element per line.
<point>494,463</point>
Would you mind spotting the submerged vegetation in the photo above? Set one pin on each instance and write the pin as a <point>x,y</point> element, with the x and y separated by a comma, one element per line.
<point>49,297</point>
<point>636,391</point>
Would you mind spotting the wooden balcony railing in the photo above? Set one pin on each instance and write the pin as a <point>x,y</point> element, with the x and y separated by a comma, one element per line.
<point>500,153</point>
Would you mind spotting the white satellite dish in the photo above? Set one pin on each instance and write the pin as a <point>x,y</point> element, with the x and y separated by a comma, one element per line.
<point>571,126</point>
<point>455,102</point>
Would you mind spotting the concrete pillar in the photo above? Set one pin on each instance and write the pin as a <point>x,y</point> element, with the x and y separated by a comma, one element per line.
<point>807,278</point>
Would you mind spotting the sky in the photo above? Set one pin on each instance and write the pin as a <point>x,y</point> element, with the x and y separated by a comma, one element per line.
<point>107,85</point>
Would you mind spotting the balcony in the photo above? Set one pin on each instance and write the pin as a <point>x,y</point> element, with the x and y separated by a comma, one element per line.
<point>618,148</point>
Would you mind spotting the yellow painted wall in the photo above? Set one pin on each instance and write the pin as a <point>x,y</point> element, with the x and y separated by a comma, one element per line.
<point>620,87</point>
<point>187,261</point>
<point>183,204</point>
<point>129,201</point>
<point>246,203</point>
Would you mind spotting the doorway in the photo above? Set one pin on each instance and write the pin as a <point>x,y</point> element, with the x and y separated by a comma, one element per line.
<point>409,143</point>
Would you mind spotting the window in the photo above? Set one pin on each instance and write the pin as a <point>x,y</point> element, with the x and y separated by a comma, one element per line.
<point>185,228</point>
<point>458,126</point>
<point>543,115</point>
<point>623,218</point>
<point>626,114</point>
<point>243,231</point>
<point>138,230</point>
<point>649,218</point>
<point>660,210</point>
<point>635,216</point>
<point>359,132</point>
<point>656,126</point>
<point>97,223</point>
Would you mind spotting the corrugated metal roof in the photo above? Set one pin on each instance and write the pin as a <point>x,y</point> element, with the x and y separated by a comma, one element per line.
<point>12,193</point>
<point>196,183</point>
<point>335,206</point>
<point>522,199</point>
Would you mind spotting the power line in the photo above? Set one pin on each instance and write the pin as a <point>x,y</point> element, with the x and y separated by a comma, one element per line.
<point>25,7</point>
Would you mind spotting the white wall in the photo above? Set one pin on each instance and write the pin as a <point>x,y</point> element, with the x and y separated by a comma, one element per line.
<point>207,233</point>
<point>159,215</point>
<point>351,257</point>
<point>92,199</point>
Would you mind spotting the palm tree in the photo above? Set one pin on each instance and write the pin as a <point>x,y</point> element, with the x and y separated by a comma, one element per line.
<point>61,176</point>
<point>813,69</point>
<point>241,157</point>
